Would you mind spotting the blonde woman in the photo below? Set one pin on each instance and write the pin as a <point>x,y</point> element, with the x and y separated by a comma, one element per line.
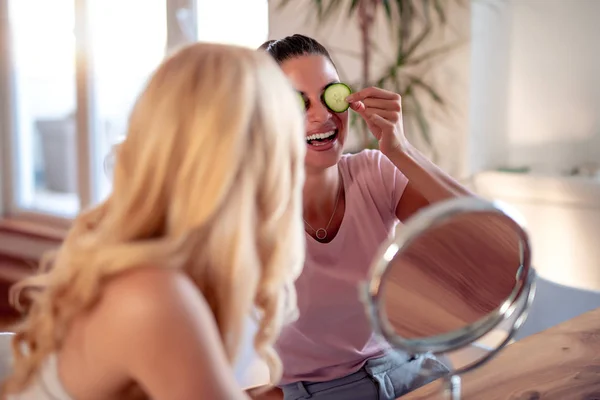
<point>148,295</point>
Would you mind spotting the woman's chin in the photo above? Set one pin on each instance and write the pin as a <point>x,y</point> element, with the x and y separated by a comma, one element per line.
<point>323,159</point>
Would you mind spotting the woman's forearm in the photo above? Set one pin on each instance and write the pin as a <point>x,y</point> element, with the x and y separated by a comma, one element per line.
<point>427,178</point>
<point>453,184</point>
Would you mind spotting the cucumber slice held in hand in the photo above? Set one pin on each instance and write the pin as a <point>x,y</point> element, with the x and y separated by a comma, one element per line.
<point>302,101</point>
<point>334,97</point>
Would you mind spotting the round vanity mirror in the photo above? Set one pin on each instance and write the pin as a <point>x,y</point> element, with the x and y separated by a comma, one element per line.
<point>454,273</point>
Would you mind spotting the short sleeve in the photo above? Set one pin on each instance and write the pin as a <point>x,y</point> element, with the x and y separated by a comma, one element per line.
<point>386,182</point>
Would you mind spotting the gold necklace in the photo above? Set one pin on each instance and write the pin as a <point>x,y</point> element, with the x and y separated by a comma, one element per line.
<point>321,233</point>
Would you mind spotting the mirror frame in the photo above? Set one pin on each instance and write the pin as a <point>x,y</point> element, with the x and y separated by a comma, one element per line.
<point>435,214</point>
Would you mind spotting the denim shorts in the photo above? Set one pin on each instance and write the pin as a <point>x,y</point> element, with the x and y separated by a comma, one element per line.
<point>383,378</point>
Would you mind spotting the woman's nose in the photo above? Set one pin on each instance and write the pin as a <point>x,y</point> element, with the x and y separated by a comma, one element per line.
<point>318,113</point>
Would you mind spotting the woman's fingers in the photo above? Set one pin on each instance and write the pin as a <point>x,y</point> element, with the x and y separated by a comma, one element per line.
<point>373,92</point>
<point>358,106</point>
<point>368,112</point>
<point>382,104</point>
<point>380,122</point>
<point>391,116</point>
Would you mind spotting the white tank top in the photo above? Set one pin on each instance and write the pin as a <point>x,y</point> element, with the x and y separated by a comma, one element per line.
<point>250,372</point>
<point>46,386</point>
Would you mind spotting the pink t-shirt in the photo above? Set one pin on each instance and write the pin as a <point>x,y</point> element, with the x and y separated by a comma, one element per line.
<point>333,338</point>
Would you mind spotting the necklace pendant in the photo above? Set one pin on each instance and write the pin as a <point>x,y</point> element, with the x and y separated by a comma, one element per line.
<point>321,233</point>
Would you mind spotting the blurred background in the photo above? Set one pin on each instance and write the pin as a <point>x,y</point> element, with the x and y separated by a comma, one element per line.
<point>502,94</point>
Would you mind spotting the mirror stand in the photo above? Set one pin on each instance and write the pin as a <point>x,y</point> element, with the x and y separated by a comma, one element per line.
<point>452,381</point>
<point>453,386</point>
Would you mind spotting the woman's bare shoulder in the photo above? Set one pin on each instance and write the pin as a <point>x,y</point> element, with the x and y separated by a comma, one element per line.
<point>145,300</point>
<point>151,298</point>
<point>155,325</point>
<point>149,287</point>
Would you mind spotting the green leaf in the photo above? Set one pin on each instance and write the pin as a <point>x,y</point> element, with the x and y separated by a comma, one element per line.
<point>385,54</point>
<point>333,8</point>
<point>407,18</point>
<point>346,52</point>
<point>353,7</point>
<point>427,30</point>
<point>422,122</point>
<point>418,82</point>
<point>282,4</point>
<point>388,9</point>
<point>400,6</point>
<point>438,51</point>
<point>437,4</point>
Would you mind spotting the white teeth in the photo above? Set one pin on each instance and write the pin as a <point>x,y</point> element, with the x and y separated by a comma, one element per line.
<point>320,135</point>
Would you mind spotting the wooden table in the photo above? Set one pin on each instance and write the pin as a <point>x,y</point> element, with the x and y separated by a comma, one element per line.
<point>561,363</point>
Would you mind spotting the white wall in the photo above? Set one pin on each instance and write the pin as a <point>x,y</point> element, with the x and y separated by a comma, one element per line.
<point>562,215</point>
<point>490,49</point>
<point>536,87</point>
<point>554,102</point>
<point>535,101</point>
<point>450,73</point>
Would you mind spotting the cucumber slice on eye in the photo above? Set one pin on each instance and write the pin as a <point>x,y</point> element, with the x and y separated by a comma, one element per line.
<point>334,97</point>
<point>302,101</point>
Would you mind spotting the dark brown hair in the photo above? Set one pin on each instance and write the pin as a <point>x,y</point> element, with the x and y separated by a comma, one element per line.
<point>294,46</point>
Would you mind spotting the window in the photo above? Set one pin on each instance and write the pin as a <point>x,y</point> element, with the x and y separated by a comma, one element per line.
<point>126,49</point>
<point>247,26</point>
<point>71,71</point>
<point>43,105</point>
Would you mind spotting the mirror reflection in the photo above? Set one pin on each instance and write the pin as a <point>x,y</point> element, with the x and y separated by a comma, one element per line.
<point>452,275</point>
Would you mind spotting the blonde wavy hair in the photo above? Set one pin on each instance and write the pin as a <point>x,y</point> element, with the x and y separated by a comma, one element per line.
<point>207,181</point>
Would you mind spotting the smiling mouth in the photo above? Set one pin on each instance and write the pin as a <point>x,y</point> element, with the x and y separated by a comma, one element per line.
<point>321,139</point>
